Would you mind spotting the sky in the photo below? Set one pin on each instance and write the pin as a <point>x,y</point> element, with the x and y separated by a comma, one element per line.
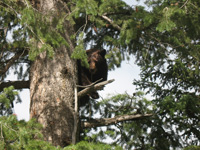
<point>123,76</point>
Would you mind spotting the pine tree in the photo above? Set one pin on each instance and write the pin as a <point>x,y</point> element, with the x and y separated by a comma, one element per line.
<point>48,36</point>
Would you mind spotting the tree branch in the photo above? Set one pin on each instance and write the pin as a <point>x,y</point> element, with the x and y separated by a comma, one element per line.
<point>109,121</point>
<point>91,88</point>
<point>12,60</point>
<point>111,22</point>
<point>16,84</point>
<point>184,4</point>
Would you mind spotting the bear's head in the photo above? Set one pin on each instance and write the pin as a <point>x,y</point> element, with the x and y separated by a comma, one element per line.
<point>96,58</point>
<point>97,72</point>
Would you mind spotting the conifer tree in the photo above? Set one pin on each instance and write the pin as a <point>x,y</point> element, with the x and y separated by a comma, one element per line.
<point>41,40</point>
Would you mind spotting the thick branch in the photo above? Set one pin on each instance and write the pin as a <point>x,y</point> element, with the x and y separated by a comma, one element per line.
<point>16,84</point>
<point>109,121</point>
<point>12,61</point>
<point>91,88</point>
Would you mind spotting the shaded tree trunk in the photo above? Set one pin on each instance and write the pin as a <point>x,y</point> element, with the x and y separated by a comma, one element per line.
<point>52,83</point>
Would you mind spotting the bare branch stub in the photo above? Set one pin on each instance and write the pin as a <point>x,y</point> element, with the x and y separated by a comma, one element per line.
<point>111,22</point>
<point>110,121</point>
<point>93,87</point>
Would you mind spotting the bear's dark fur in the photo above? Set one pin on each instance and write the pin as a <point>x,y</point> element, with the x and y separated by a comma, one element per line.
<point>98,69</point>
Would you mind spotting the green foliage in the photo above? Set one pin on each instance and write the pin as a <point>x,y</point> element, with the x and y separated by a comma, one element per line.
<point>163,37</point>
<point>115,58</point>
<point>192,148</point>
<point>171,73</point>
<point>7,98</point>
<point>44,36</point>
<point>127,134</point>
<point>79,52</point>
<point>21,135</point>
<point>166,24</point>
<point>12,38</point>
<point>28,23</point>
<point>35,51</point>
<point>165,41</point>
<point>91,146</point>
<point>95,29</point>
<point>89,6</point>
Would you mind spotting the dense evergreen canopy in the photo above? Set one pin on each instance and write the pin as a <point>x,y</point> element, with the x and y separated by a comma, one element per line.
<point>163,36</point>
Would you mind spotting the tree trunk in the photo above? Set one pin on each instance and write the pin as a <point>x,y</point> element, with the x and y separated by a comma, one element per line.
<point>52,83</point>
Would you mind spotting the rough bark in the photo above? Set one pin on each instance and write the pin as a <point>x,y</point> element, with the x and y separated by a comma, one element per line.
<point>52,83</point>
<point>52,95</point>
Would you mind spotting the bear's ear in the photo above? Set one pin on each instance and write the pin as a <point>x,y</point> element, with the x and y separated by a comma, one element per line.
<point>102,52</point>
<point>90,51</point>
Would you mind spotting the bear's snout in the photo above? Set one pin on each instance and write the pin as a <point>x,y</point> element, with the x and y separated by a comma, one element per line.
<point>92,68</point>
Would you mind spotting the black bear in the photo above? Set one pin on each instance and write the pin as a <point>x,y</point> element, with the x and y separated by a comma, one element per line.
<point>98,69</point>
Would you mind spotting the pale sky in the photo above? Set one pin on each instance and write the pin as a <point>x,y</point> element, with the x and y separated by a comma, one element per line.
<point>123,76</point>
